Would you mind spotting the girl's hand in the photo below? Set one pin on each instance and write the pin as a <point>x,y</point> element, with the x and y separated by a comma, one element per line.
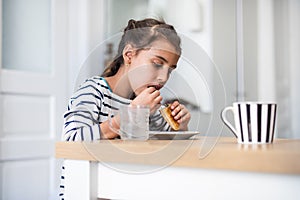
<point>148,97</point>
<point>181,114</point>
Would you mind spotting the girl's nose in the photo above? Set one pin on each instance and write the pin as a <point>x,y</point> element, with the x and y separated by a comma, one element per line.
<point>163,74</point>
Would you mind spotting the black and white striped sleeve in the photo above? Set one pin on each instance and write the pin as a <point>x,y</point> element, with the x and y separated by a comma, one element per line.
<point>158,123</point>
<point>81,121</point>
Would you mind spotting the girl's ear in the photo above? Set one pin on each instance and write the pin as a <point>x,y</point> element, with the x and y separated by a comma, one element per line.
<point>128,53</point>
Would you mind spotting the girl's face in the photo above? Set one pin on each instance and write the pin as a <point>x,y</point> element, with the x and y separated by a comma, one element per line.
<point>152,67</point>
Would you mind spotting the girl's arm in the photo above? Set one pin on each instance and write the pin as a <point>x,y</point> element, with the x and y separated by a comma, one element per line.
<point>85,112</point>
<point>109,128</point>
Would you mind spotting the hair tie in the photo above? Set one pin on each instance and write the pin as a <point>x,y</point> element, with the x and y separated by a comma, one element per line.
<point>131,25</point>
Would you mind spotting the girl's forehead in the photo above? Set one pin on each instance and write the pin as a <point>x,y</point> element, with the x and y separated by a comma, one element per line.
<point>163,45</point>
<point>168,55</point>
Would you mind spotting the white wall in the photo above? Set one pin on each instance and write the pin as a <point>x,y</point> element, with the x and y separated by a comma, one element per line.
<point>271,46</point>
<point>287,74</point>
<point>224,50</point>
<point>294,35</point>
<point>87,20</point>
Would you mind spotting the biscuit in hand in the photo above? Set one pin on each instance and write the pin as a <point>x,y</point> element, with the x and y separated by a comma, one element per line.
<point>167,115</point>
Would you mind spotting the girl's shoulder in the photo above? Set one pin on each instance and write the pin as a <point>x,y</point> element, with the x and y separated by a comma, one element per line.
<point>95,86</point>
<point>96,82</point>
<point>98,86</point>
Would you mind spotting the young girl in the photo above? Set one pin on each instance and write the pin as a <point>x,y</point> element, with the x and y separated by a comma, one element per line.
<point>148,52</point>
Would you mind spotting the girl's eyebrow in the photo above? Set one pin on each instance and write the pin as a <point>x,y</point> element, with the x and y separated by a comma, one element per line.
<point>165,60</point>
<point>162,58</point>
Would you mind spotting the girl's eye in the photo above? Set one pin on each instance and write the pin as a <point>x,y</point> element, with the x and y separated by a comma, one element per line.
<point>158,65</point>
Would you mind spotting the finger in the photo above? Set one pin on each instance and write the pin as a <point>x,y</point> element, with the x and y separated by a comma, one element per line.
<point>157,99</point>
<point>155,93</point>
<point>176,110</point>
<point>182,112</point>
<point>184,118</point>
<point>150,89</point>
<point>181,120</point>
<point>174,105</point>
<point>178,115</point>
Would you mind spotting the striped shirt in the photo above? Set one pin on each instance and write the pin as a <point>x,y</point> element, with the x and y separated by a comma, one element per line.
<point>91,105</point>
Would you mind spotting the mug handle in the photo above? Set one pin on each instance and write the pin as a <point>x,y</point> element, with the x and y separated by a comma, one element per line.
<point>226,122</point>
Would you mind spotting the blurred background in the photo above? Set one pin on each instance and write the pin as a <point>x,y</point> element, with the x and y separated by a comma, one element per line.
<point>49,46</point>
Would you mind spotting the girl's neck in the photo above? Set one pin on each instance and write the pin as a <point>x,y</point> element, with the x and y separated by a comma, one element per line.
<point>119,83</point>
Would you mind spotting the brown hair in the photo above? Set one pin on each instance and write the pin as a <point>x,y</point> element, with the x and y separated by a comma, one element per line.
<point>141,34</point>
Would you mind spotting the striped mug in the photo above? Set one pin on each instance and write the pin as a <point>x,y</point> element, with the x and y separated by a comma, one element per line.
<point>254,121</point>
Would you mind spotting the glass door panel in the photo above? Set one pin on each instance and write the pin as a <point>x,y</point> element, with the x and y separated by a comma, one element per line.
<point>26,35</point>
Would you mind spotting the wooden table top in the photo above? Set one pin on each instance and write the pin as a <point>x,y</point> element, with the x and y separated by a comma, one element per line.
<point>282,156</point>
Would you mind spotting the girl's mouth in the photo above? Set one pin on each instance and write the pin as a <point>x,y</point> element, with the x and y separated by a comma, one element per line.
<point>157,87</point>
